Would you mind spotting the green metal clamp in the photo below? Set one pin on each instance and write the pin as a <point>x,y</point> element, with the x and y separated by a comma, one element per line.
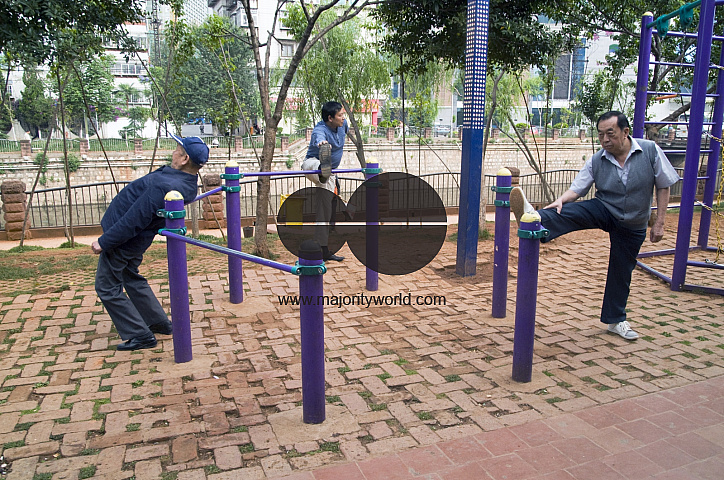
<point>371,171</point>
<point>172,214</point>
<point>309,269</point>
<point>232,176</point>
<point>498,189</point>
<point>536,234</point>
<point>501,203</point>
<point>237,188</point>
<point>178,231</point>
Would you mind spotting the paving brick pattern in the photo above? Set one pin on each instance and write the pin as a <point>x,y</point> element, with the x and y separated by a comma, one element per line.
<point>427,388</point>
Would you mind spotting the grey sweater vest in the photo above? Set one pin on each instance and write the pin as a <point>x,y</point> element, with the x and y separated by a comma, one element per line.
<point>629,204</point>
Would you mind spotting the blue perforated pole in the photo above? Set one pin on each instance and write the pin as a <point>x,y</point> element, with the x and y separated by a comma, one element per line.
<point>502,189</point>
<point>311,318</point>
<point>233,228</point>
<point>178,285</point>
<point>372,229</point>
<point>476,52</point>
<point>530,232</point>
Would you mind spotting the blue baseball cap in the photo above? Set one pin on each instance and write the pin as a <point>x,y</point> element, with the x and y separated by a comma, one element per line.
<point>195,148</point>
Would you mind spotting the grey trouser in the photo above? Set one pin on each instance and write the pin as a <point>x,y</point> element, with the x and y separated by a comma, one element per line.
<point>323,208</point>
<point>118,270</point>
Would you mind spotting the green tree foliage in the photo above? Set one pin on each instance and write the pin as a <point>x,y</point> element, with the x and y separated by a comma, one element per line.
<point>35,108</point>
<point>341,65</point>
<point>39,30</point>
<point>98,85</point>
<point>217,79</point>
<point>426,31</point>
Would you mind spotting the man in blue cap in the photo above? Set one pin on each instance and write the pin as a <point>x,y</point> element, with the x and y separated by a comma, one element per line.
<point>129,226</point>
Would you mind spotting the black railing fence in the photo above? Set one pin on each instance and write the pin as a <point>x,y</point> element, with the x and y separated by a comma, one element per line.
<point>50,206</point>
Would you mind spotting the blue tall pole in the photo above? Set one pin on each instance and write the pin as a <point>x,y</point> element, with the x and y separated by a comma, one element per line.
<point>233,229</point>
<point>476,60</point>
<point>503,185</point>
<point>372,230</point>
<point>178,285</point>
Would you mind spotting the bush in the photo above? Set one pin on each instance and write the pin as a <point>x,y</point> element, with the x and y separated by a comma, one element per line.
<point>41,160</point>
<point>521,126</point>
<point>73,162</point>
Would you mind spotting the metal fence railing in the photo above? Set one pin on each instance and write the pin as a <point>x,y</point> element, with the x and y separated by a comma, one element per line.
<point>50,206</point>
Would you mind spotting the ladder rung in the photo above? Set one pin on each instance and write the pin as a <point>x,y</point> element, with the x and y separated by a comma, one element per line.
<point>674,123</point>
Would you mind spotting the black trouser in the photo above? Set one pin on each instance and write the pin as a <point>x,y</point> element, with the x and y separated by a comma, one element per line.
<point>625,246</point>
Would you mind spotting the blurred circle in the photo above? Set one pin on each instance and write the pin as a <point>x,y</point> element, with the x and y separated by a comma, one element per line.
<point>399,223</point>
<point>310,213</point>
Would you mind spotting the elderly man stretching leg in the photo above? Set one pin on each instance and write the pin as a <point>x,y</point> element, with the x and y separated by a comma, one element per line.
<point>129,225</point>
<point>626,171</point>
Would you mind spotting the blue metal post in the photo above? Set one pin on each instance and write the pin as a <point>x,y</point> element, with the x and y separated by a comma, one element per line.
<point>233,229</point>
<point>642,78</point>
<point>311,316</point>
<point>525,301</point>
<point>178,279</point>
<point>476,59</point>
<point>372,230</point>
<point>502,189</point>
<point>693,143</point>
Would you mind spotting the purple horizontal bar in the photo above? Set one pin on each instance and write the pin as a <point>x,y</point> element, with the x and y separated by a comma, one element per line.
<point>673,64</point>
<point>675,123</point>
<point>717,266</point>
<point>656,253</point>
<point>669,251</point>
<point>227,251</point>
<point>689,35</point>
<point>299,172</point>
<point>715,291</point>
<point>206,194</point>
<point>654,272</point>
<point>680,94</point>
<point>684,151</point>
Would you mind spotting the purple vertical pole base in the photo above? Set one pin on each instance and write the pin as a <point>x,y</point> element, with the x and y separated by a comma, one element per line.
<point>311,316</point>
<point>372,231</point>
<point>525,301</point>
<point>233,230</point>
<point>178,281</point>
<point>502,242</point>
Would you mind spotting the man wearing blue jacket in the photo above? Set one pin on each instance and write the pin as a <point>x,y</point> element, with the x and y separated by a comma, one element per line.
<point>129,226</point>
<point>325,153</point>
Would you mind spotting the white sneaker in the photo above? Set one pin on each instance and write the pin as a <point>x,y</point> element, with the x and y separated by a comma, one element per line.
<point>624,330</point>
<point>519,204</point>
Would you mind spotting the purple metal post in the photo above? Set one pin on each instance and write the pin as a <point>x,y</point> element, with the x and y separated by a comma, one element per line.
<point>178,279</point>
<point>372,230</point>
<point>642,79</point>
<point>233,229</point>
<point>693,143</point>
<point>712,164</point>
<point>502,189</point>
<point>311,317</point>
<point>525,301</point>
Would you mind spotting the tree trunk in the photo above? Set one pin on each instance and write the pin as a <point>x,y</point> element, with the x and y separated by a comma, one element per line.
<point>263,187</point>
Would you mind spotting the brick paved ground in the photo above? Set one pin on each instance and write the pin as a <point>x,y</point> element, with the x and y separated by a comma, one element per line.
<point>400,380</point>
